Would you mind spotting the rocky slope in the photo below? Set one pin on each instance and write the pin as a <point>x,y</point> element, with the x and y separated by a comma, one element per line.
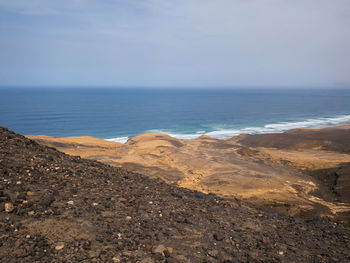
<point>59,208</point>
<point>335,139</point>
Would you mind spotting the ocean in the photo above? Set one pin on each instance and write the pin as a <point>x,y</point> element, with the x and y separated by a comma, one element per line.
<point>119,113</point>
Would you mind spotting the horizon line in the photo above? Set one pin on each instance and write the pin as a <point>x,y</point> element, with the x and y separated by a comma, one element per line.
<point>335,86</point>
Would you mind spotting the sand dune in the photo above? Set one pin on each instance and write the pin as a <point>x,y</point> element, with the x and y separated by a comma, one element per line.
<point>299,172</point>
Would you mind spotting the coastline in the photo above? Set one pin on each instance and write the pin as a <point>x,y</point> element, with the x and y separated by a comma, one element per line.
<point>293,172</point>
<point>181,114</point>
<point>122,140</point>
<point>268,128</point>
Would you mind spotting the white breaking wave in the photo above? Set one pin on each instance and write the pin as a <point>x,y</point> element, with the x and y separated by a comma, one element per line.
<point>268,128</point>
<point>118,139</point>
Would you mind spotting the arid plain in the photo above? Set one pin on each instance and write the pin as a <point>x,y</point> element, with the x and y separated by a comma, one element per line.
<point>302,172</point>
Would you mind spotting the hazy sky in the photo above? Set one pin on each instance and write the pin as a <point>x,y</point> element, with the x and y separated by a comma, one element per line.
<point>175,42</point>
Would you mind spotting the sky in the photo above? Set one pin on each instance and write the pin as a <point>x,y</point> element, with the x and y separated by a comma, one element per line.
<point>175,43</point>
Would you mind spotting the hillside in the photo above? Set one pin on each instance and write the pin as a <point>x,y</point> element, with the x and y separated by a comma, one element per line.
<point>60,208</point>
<point>335,139</point>
<point>302,173</point>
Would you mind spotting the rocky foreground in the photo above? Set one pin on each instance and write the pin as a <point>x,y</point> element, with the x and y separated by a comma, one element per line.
<point>59,208</point>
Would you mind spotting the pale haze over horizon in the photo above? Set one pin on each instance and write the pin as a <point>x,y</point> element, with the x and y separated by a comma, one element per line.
<point>175,43</point>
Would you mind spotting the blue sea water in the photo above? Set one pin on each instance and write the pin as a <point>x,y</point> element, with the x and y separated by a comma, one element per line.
<point>119,113</point>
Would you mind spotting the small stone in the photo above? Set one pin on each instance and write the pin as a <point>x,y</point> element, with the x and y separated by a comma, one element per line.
<point>95,204</point>
<point>159,249</point>
<point>21,196</point>
<point>158,256</point>
<point>70,202</point>
<point>9,207</point>
<point>27,236</point>
<point>47,200</point>
<point>166,253</point>
<point>20,253</point>
<point>108,214</point>
<point>218,237</point>
<point>213,253</point>
<point>31,213</point>
<point>148,247</point>
<point>280,253</point>
<point>94,254</point>
<point>147,260</point>
<point>127,253</point>
<point>116,259</point>
<point>128,218</point>
<point>181,258</point>
<point>59,246</point>
<point>171,260</point>
<point>18,182</point>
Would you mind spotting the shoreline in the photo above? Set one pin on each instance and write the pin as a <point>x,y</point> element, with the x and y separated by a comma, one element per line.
<point>124,139</point>
<point>229,133</point>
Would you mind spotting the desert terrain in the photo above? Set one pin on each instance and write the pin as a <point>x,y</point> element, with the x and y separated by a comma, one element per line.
<point>302,172</point>
<point>56,207</point>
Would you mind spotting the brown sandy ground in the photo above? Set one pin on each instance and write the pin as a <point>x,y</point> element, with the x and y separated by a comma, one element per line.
<point>60,208</point>
<point>300,172</point>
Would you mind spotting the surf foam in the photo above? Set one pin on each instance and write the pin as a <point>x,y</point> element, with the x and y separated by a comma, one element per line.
<point>118,139</point>
<point>268,128</point>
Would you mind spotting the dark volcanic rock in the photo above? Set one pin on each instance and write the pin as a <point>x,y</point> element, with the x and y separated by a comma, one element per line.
<point>218,237</point>
<point>67,209</point>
